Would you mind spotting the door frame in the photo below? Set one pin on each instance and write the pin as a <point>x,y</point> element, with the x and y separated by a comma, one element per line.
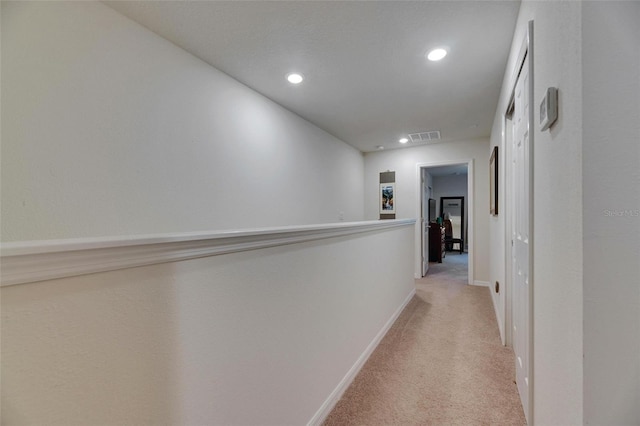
<point>526,50</point>
<point>470,214</point>
<point>424,227</point>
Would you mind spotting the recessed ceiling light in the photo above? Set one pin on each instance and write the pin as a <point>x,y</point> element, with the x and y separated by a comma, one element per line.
<point>380,147</point>
<point>436,54</point>
<point>295,78</point>
<point>403,140</point>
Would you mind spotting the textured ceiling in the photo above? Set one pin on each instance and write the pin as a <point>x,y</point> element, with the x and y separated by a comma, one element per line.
<point>367,81</point>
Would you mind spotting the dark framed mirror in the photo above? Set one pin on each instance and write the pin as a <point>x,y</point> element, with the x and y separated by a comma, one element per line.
<point>452,214</point>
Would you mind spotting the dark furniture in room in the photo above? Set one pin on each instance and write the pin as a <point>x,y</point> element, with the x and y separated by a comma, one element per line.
<point>449,241</point>
<point>436,242</point>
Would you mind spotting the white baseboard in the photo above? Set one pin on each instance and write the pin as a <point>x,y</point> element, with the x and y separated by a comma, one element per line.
<point>335,396</point>
<point>494,302</point>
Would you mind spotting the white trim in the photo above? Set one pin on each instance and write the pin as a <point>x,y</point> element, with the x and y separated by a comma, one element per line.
<point>507,208</point>
<point>530,52</point>
<point>346,381</point>
<point>31,261</point>
<point>471,190</point>
<point>470,215</point>
<point>481,283</point>
<point>526,50</point>
<point>499,319</point>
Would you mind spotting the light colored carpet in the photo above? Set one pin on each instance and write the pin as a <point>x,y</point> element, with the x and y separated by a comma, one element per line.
<point>441,363</point>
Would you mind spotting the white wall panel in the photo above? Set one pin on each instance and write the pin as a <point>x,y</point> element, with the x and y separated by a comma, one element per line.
<point>611,187</point>
<point>109,129</point>
<point>265,336</point>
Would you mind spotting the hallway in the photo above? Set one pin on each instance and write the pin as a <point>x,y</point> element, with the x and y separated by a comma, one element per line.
<point>442,361</point>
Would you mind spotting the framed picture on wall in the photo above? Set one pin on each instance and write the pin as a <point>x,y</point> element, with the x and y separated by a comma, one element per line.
<point>493,182</point>
<point>387,191</point>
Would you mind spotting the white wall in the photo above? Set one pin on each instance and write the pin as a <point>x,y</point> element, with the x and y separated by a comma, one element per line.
<point>404,162</point>
<point>586,298</point>
<point>557,222</point>
<point>109,129</point>
<point>450,186</point>
<point>557,203</point>
<point>258,337</point>
<point>611,226</point>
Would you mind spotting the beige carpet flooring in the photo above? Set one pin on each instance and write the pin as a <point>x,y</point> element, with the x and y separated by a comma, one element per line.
<point>441,363</point>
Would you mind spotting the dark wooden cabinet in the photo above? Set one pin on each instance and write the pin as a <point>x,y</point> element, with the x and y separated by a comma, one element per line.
<point>436,242</point>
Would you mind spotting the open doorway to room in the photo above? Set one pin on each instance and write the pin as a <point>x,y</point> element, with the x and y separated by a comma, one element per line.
<point>446,225</point>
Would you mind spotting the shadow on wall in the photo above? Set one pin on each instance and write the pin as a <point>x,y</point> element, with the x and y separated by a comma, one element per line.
<point>100,346</point>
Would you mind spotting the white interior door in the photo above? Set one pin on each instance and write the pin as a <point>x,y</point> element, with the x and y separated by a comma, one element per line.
<point>520,235</point>
<point>425,224</point>
<point>425,247</point>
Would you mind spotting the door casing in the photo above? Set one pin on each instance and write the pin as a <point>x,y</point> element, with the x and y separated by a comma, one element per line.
<point>526,51</point>
<point>470,197</point>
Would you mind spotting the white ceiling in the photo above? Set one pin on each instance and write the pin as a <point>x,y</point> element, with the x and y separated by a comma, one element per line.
<point>367,81</point>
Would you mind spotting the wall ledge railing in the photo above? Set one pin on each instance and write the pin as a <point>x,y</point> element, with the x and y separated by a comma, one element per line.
<point>32,261</point>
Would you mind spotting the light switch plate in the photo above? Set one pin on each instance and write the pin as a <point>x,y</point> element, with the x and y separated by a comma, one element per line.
<point>549,109</point>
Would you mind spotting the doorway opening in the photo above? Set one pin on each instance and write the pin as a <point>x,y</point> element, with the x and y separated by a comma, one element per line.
<point>446,227</point>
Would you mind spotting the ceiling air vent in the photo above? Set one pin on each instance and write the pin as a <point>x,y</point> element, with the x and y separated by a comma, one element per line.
<point>425,136</point>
